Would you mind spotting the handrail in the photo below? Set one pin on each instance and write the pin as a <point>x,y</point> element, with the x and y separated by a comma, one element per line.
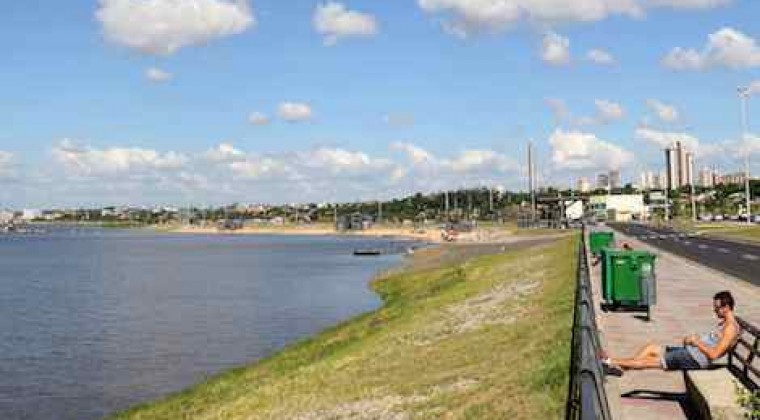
<point>587,398</point>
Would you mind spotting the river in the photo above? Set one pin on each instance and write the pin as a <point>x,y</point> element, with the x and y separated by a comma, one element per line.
<point>94,321</point>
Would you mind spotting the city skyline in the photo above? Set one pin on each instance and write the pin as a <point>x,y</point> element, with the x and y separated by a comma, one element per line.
<point>214,101</point>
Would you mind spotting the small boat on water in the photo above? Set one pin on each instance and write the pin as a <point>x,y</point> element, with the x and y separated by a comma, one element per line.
<point>368,252</point>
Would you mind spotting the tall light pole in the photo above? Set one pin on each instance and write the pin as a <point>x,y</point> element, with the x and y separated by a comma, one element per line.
<point>744,96</point>
<point>531,182</point>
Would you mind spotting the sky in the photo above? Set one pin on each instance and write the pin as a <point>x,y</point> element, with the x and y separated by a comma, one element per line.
<point>204,102</point>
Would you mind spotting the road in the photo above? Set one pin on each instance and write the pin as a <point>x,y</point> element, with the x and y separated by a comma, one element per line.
<point>741,260</point>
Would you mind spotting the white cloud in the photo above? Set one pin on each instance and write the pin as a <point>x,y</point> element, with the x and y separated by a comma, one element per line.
<point>227,173</point>
<point>463,18</point>
<point>725,48</point>
<point>84,160</point>
<point>157,75</point>
<point>258,118</point>
<point>334,21</point>
<point>472,16</point>
<point>601,57</point>
<point>225,152</point>
<point>481,160</point>
<point>162,27</point>
<point>555,49</point>
<point>6,164</point>
<point>574,150</point>
<point>294,111</point>
<point>417,155</point>
<point>664,139</point>
<point>666,113</point>
<point>754,88</point>
<point>608,110</point>
<point>467,162</point>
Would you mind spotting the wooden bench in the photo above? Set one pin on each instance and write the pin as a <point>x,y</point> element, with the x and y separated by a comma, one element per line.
<point>713,393</point>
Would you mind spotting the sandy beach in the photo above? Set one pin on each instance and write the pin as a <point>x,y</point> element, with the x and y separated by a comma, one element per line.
<point>497,234</point>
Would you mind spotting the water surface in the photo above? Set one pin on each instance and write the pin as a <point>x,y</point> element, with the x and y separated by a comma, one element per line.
<point>95,321</point>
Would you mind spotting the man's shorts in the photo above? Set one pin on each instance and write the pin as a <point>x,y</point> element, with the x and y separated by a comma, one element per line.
<point>678,358</point>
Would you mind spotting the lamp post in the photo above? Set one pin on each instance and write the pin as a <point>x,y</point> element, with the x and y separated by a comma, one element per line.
<point>744,96</point>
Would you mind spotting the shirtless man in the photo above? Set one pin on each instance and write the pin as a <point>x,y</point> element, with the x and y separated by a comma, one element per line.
<point>697,352</point>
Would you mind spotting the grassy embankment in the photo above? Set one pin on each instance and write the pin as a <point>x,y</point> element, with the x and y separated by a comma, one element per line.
<point>485,338</point>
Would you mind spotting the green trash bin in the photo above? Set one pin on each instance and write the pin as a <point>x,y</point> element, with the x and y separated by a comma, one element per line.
<point>600,240</point>
<point>628,279</point>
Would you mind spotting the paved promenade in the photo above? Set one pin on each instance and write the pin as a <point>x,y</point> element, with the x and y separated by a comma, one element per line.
<point>684,306</point>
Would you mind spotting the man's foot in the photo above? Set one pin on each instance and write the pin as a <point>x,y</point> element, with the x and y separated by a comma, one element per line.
<point>611,369</point>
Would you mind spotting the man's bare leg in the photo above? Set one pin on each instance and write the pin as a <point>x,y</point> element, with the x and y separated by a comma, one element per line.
<point>649,357</point>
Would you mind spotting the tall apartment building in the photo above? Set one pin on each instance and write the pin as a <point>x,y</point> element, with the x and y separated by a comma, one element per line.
<point>614,177</point>
<point>603,181</point>
<point>679,167</point>
<point>584,185</point>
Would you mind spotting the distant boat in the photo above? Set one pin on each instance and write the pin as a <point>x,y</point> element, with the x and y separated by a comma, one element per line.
<point>368,252</point>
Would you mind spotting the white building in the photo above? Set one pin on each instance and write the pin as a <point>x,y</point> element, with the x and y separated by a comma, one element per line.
<point>584,185</point>
<point>619,207</point>
<point>31,214</point>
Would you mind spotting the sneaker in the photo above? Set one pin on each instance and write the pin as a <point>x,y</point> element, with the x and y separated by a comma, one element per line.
<point>611,369</point>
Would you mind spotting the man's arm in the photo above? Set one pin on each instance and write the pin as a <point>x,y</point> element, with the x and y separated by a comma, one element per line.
<point>712,353</point>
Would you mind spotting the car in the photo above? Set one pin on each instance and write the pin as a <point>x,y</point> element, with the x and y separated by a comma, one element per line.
<point>718,218</point>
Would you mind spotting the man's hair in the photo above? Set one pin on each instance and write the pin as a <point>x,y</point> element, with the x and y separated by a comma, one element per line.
<point>725,298</point>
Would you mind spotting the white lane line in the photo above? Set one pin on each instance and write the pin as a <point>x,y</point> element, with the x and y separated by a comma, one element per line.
<point>687,242</point>
<point>723,250</point>
<point>750,257</point>
<point>703,246</point>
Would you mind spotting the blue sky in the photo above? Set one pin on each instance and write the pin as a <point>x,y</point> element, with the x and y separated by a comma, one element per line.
<point>385,97</point>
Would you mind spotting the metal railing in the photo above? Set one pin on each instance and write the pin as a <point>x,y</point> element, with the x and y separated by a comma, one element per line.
<point>587,398</point>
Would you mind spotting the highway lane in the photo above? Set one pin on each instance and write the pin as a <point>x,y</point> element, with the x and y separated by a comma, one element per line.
<point>741,260</point>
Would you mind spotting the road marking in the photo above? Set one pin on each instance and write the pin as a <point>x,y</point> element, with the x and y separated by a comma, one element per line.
<point>750,257</point>
<point>703,246</point>
<point>687,242</point>
<point>723,250</point>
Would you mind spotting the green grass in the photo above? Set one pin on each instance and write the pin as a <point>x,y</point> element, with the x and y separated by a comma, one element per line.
<point>487,338</point>
<point>735,231</point>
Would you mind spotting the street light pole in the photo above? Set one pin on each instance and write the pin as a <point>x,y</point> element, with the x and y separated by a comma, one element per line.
<point>744,96</point>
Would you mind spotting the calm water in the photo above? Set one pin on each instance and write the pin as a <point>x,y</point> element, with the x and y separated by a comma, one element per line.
<point>95,321</point>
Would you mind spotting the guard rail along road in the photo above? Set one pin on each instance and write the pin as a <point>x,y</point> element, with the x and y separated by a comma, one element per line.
<point>586,398</point>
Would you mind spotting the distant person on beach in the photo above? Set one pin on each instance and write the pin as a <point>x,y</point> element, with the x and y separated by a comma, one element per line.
<point>697,352</point>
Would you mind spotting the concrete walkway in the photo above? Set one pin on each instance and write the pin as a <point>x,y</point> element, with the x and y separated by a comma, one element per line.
<point>684,306</point>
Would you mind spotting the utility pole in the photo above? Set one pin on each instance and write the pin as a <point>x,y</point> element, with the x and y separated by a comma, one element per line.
<point>744,96</point>
<point>446,204</point>
<point>490,200</point>
<point>531,184</point>
<point>690,170</point>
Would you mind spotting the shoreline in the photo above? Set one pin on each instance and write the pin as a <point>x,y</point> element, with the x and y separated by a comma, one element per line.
<point>434,283</point>
<point>482,235</point>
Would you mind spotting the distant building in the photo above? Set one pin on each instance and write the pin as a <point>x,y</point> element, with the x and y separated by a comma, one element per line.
<point>707,178</point>
<point>679,166</point>
<point>603,181</point>
<point>614,177</point>
<point>737,178</point>
<point>6,216</point>
<point>618,207</point>
<point>584,185</point>
<point>31,214</point>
